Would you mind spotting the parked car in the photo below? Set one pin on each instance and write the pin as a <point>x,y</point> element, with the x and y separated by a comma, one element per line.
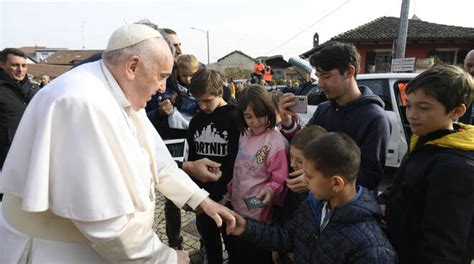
<point>389,86</point>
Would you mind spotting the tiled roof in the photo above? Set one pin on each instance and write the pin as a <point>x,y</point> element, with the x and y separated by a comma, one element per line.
<point>275,61</point>
<point>236,51</point>
<point>386,29</point>
<point>30,50</point>
<point>52,71</point>
<point>69,57</point>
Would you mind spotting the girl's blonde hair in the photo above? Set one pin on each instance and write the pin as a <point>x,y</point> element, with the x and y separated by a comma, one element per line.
<point>187,62</point>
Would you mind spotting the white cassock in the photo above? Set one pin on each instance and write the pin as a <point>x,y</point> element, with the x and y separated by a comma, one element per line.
<point>80,177</point>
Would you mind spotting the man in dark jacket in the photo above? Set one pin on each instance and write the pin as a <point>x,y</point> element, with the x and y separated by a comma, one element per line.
<point>353,110</point>
<point>15,93</point>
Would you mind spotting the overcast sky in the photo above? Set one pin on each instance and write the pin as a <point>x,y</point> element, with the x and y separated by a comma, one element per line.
<point>255,27</point>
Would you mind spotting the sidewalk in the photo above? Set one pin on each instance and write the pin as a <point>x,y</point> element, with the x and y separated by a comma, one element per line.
<point>188,231</point>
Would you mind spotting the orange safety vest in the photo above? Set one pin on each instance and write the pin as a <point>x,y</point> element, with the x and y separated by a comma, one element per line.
<point>268,75</point>
<point>403,95</point>
<point>258,68</point>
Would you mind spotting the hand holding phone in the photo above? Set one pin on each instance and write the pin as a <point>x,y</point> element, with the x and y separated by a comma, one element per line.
<point>301,104</point>
<point>253,203</point>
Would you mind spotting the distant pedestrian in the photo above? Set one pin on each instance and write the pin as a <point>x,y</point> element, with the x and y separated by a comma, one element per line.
<point>258,70</point>
<point>468,117</point>
<point>268,75</point>
<point>44,80</point>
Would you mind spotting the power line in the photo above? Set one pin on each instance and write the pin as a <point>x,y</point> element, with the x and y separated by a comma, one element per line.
<point>310,26</point>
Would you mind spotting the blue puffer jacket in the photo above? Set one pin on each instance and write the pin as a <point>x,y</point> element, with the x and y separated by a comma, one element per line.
<point>351,236</point>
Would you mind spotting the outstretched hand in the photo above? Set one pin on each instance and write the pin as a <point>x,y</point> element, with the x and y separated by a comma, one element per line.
<point>204,170</point>
<point>218,213</point>
<point>239,226</point>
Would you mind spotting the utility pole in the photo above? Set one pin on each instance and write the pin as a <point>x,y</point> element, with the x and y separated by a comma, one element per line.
<point>208,56</point>
<point>82,33</point>
<point>207,38</point>
<point>402,33</point>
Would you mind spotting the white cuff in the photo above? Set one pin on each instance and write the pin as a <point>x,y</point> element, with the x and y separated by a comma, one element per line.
<point>196,199</point>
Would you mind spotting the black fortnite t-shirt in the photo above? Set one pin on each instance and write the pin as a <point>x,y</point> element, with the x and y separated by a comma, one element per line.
<point>215,136</point>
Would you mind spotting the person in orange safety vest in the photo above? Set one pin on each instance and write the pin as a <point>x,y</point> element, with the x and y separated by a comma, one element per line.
<point>258,69</point>
<point>267,76</point>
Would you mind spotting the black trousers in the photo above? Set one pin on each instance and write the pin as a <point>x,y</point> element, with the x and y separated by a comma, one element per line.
<point>211,238</point>
<point>173,225</point>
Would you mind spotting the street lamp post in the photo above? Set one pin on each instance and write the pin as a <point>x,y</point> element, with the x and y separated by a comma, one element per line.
<point>207,38</point>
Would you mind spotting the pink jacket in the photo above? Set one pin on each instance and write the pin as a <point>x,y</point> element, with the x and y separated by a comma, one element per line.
<point>262,161</point>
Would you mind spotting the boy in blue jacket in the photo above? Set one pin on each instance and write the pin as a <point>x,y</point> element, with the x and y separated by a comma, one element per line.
<point>430,210</point>
<point>338,221</point>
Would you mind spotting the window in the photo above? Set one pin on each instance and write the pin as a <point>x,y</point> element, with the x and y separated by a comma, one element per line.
<point>380,88</point>
<point>448,56</point>
<point>378,61</point>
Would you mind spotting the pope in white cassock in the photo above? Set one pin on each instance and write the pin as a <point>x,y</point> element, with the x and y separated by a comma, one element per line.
<point>80,177</point>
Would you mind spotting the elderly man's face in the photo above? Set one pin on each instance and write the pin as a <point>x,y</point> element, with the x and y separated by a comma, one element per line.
<point>176,44</point>
<point>469,63</point>
<point>151,78</point>
<point>15,67</point>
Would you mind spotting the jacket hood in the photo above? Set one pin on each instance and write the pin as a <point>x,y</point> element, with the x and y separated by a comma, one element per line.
<point>463,139</point>
<point>367,97</point>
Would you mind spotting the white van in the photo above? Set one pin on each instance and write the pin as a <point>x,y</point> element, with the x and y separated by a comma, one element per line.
<point>387,86</point>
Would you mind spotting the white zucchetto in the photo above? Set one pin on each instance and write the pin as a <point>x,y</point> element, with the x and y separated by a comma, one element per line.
<point>129,35</point>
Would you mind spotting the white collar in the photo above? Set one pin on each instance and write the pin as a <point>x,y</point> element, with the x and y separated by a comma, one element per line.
<point>115,87</point>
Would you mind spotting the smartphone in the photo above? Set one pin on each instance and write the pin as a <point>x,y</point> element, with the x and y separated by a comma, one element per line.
<point>301,105</point>
<point>253,203</point>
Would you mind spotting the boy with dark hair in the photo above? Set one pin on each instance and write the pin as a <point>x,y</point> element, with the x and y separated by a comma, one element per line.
<point>294,198</point>
<point>338,221</point>
<point>351,109</point>
<point>297,146</point>
<point>336,55</point>
<point>430,212</point>
<point>214,134</point>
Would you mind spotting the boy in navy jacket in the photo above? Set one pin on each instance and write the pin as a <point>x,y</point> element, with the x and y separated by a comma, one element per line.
<point>338,221</point>
<point>430,210</point>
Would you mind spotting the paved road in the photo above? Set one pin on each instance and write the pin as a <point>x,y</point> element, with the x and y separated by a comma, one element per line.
<point>188,230</point>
